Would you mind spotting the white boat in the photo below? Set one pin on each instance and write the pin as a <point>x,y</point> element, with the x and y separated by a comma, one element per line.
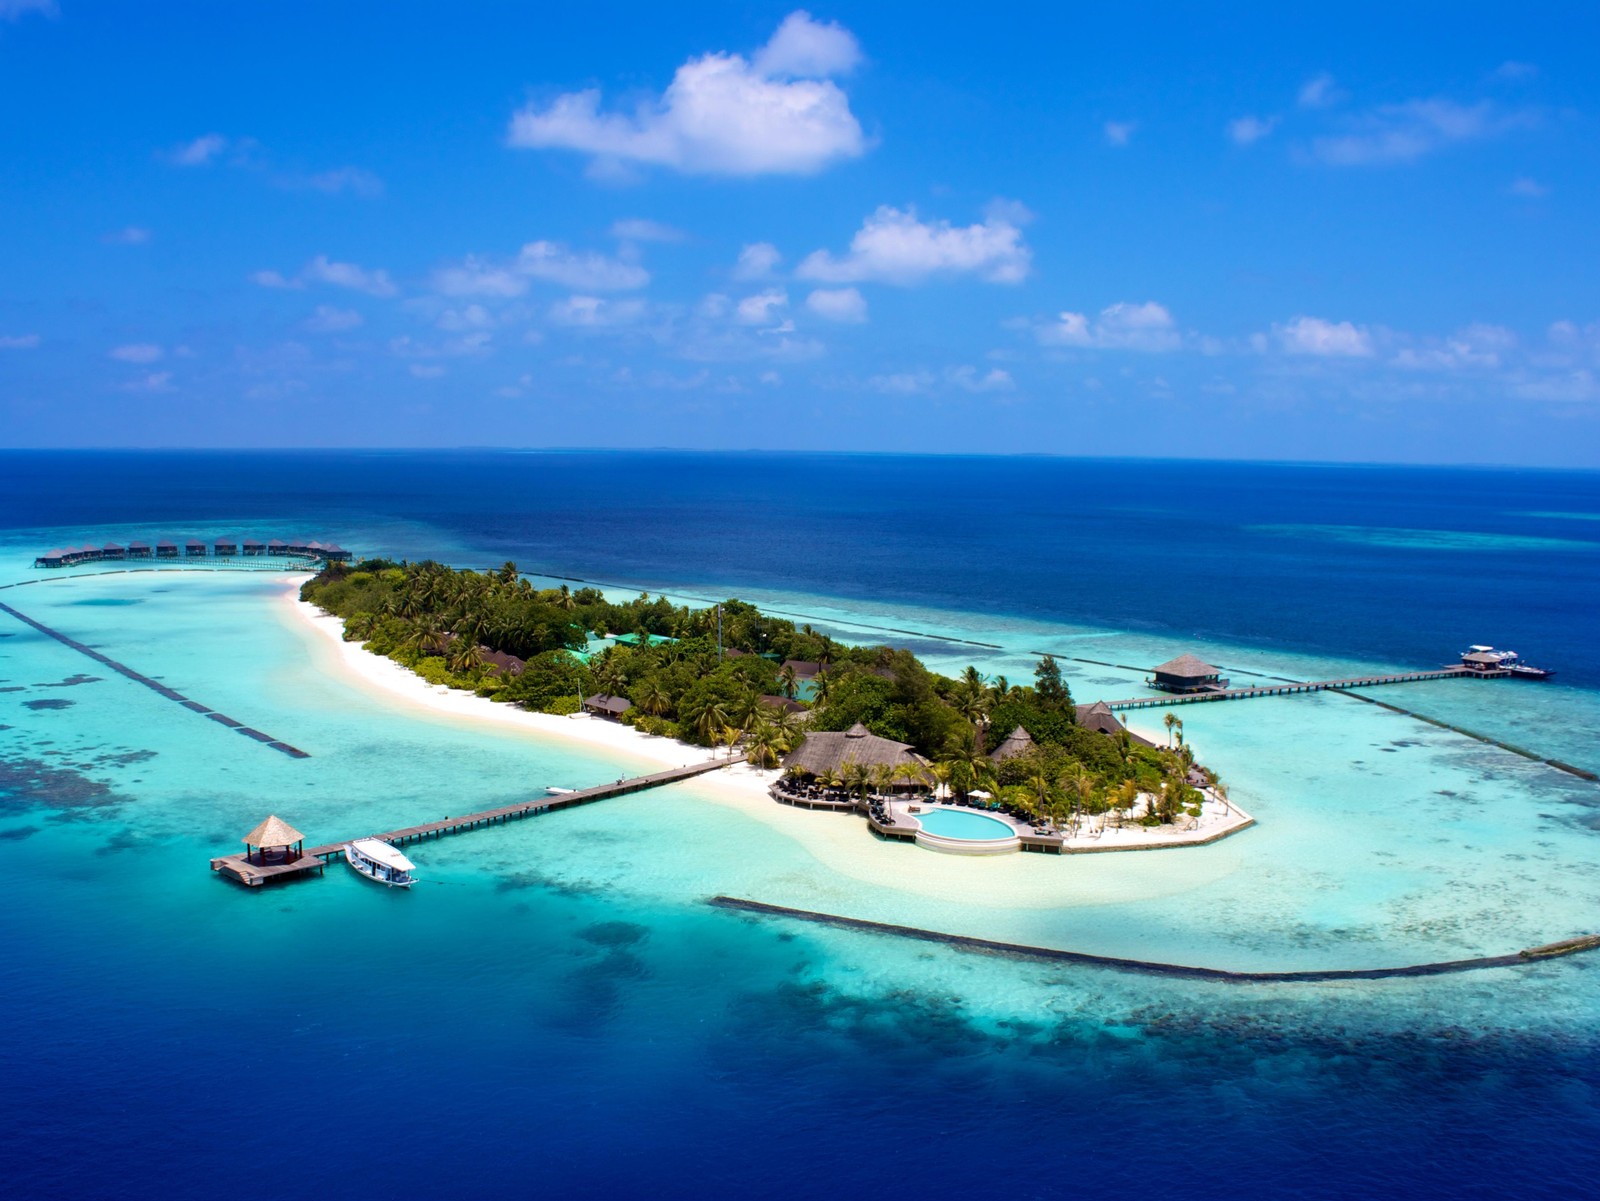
<point>553,790</point>
<point>378,861</point>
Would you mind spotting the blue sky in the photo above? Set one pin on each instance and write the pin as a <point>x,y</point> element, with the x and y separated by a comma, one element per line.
<point>1359,233</point>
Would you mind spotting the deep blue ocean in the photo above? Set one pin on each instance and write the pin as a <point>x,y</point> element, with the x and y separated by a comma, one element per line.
<point>557,1033</point>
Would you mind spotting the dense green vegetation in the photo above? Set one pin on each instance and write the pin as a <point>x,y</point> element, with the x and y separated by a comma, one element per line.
<point>451,626</point>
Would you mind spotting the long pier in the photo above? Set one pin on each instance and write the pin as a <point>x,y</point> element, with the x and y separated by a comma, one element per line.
<point>172,694</point>
<point>1293,686</point>
<point>237,867</point>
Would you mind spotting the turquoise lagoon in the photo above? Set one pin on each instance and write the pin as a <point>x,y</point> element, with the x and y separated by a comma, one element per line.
<point>556,1006</point>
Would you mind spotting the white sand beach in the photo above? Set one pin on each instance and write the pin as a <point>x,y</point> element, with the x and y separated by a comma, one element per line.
<point>838,841</point>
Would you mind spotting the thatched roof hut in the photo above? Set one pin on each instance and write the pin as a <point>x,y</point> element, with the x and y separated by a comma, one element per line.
<point>607,706</point>
<point>274,832</point>
<point>827,751</point>
<point>1100,718</point>
<point>1187,673</point>
<point>1018,742</point>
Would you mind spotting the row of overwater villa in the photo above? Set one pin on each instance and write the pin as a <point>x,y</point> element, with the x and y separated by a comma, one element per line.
<point>221,548</point>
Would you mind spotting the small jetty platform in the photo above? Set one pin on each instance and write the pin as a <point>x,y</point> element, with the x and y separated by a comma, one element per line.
<point>1294,686</point>
<point>292,861</point>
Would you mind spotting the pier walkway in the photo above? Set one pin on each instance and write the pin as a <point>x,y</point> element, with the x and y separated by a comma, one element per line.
<point>237,867</point>
<point>1293,686</point>
<point>156,686</point>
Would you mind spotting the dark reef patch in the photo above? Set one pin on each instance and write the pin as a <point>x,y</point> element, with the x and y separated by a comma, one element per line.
<point>31,783</point>
<point>614,934</point>
<point>52,703</point>
<point>18,833</point>
<point>109,602</point>
<point>71,681</point>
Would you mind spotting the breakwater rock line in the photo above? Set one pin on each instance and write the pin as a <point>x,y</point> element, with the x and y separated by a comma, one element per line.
<point>1010,950</point>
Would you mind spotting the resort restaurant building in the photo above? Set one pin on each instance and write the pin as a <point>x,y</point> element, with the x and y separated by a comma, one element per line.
<point>826,752</point>
<point>1187,673</point>
<point>1099,718</point>
<point>1018,742</point>
<point>602,705</point>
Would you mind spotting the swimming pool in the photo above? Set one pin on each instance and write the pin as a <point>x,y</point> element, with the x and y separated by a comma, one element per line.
<point>963,825</point>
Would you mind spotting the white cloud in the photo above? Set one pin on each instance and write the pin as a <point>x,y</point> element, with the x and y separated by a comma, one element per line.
<point>136,352</point>
<point>892,246</point>
<point>804,48</point>
<point>994,380</point>
<point>19,341</point>
<point>349,275</point>
<point>1570,387</point>
<point>640,229</point>
<point>1403,133</point>
<point>1475,346</point>
<point>591,272</point>
<point>131,235</point>
<point>761,309</point>
<point>1246,131</point>
<point>198,152</point>
<point>1512,71</point>
<point>1530,189</point>
<point>1329,339</point>
<point>155,381</point>
<point>903,383</point>
<point>329,320</point>
<point>756,261</point>
<point>475,277</point>
<point>838,304</point>
<point>1319,92</point>
<point>426,370</point>
<point>472,316</point>
<point>1119,133</point>
<point>1123,326</point>
<point>722,114</point>
<point>593,312</point>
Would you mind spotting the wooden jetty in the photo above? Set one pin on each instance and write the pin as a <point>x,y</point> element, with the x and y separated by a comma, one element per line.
<point>240,868</point>
<point>1289,687</point>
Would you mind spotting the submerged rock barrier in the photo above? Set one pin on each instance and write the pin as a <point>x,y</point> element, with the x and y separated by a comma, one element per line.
<point>1011,950</point>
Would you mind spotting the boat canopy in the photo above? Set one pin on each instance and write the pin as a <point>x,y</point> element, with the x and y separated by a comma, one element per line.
<point>379,851</point>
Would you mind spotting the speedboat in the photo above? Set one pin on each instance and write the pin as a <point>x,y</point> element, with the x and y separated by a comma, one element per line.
<point>379,862</point>
<point>557,790</point>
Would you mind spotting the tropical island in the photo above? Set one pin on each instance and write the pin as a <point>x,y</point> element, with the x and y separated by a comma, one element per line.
<point>864,728</point>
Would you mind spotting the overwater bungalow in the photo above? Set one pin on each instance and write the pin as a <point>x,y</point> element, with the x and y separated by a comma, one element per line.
<point>254,546</point>
<point>277,546</point>
<point>194,549</point>
<point>112,550</point>
<point>226,546</point>
<point>828,751</point>
<point>602,705</point>
<point>334,553</point>
<point>1018,742</point>
<point>1187,673</point>
<point>166,549</point>
<point>140,550</point>
<point>51,558</point>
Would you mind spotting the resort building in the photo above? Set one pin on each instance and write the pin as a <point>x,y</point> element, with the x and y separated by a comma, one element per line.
<point>166,549</point>
<point>139,550</point>
<point>194,549</point>
<point>227,546</point>
<point>501,663</point>
<point>1018,742</point>
<point>804,669</point>
<point>784,704</point>
<point>602,705</point>
<point>1099,718</point>
<point>825,752</point>
<point>1187,673</point>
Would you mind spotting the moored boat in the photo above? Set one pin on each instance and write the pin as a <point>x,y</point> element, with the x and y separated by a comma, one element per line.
<point>1490,661</point>
<point>379,862</point>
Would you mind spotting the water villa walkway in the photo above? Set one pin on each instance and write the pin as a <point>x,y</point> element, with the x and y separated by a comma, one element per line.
<point>172,694</point>
<point>245,871</point>
<point>1293,686</point>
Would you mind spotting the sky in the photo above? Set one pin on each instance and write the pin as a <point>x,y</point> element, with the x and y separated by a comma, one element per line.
<point>1355,233</point>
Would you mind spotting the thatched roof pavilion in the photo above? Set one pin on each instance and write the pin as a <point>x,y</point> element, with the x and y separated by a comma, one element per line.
<point>274,837</point>
<point>1100,718</point>
<point>1188,673</point>
<point>827,751</point>
<point>1018,742</point>
<point>607,706</point>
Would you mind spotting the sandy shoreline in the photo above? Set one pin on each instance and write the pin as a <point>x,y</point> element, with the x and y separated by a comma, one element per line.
<point>840,842</point>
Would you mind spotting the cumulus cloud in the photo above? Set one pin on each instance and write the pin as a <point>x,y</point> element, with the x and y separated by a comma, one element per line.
<point>198,152</point>
<point>762,308</point>
<point>548,261</point>
<point>1478,345</point>
<point>903,383</point>
<point>155,381</point>
<point>1328,339</point>
<point>639,229</point>
<point>1246,131</point>
<point>472,316</point>
<point>136,352</point>
<point>1146,326</point>
<point>723,114</point>
<point>18,341</point>
<point>329,320</point>
<point>323,270</point>
<point>893,246</point>
<point>1403,133</point>
<point>1319,91</point>
<point>757,261</point>
<point>969,379</point>
<point>358,180</point>
<point>129,235</point>
<point>1119,133</point>
<point>593,311</point>
<point>838,304</point>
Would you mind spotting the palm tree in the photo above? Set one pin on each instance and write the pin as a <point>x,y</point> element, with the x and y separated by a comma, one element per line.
<point>787,681</point>
<point>938,774</point>
<point>653,697</point>
<point>765,744</point>
<point>708,719</point>
<point>882,776</point>
<point>466,656</point>
<point>508,572</point>
<point>360,627</point>
<point>1081,784</point>
<point>748,709</point>
<point>1221,790</point>
<point>1170,720</point>
<point>856,777</point>
<point>820,683</point>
